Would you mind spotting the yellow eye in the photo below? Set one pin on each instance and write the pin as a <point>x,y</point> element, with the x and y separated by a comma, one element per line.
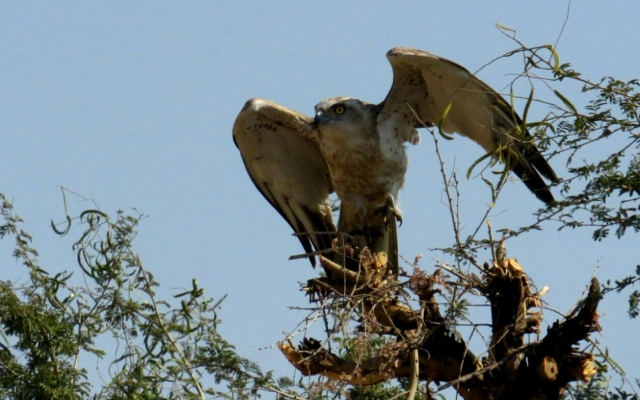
<point>339,109</point>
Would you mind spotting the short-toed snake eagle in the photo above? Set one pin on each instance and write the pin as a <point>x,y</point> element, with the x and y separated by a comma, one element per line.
<point>357,149</point>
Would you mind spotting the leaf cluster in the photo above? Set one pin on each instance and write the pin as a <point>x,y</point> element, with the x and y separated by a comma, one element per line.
<point>163,348</point>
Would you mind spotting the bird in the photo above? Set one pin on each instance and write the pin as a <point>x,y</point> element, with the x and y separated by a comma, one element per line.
<point>358,149</point>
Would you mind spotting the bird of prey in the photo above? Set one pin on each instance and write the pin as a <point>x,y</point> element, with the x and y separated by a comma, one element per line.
<point>357,149</point>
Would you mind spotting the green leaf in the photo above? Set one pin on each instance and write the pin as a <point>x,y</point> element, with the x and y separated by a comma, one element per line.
<point>526,110</point>
<point>493,190</point>
<point>538,124</point>
<point>566,102</point>
<point>556,58</point>
<point>444,115</point>
<point>512,107</point>
<point>65,230</point>
<point>504,28</point>
<point>476,162</point>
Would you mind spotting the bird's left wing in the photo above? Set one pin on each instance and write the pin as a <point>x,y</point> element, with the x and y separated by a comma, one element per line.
<point>430,84</point>
<point>280,150</point>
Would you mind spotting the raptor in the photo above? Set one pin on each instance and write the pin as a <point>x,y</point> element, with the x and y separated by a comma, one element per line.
<point>357,149</point>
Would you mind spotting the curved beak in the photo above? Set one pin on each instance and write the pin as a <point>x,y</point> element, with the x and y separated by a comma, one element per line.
<point>319,119</point>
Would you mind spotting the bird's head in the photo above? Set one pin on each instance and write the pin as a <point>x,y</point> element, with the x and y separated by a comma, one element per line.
<point>343,113</point>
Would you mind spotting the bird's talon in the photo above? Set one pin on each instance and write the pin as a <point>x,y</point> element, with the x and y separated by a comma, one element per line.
<point>389,211</point>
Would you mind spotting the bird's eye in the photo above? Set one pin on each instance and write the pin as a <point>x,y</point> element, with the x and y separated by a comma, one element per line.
<point>339,109</point>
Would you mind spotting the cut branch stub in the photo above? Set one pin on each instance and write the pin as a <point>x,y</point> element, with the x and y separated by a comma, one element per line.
<point>507,289</point>
<point>513,369</point>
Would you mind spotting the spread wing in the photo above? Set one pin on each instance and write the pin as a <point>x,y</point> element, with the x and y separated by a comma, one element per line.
<point>280,150</point>
<point>429,84</point>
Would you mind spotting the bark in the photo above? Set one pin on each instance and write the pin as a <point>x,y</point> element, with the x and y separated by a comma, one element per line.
<point>513,368</point>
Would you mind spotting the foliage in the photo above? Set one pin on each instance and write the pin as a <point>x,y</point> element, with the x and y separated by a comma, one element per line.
<point>601,190</point>
<point>51,325</point>
<point>600,145</point>
<point>164,348</point>
<point>599,388</point>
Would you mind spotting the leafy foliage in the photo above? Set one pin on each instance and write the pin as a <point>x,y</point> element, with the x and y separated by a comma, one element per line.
<point>164,347</point>
<point>51,325</point>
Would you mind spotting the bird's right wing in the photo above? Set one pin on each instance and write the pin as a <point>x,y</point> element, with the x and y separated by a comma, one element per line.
<point>280,150</point>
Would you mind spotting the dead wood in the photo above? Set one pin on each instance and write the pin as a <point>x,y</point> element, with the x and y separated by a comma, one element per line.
<point>512,369</point>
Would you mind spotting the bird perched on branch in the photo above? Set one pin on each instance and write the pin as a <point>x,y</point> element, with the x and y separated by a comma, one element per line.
<point>357,149</point>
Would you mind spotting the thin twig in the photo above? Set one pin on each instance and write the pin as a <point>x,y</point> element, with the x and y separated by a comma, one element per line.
<point>281,393</point>
<point>415,373</point>
<point>314,253</point>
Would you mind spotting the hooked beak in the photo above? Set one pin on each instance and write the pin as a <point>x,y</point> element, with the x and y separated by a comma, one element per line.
<point>319,119</point>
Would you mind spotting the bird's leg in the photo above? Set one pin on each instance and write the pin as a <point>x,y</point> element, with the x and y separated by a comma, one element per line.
<point>389,210</point>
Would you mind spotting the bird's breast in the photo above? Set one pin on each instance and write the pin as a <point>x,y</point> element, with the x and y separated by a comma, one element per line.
<point>365,171</point>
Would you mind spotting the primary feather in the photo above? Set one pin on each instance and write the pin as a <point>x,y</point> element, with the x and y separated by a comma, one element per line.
<point>358,149</point>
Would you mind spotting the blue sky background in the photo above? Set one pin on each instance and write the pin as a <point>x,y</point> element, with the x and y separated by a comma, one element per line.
<point>132,104</point>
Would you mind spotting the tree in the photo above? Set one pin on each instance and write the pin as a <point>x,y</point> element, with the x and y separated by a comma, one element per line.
<point>410,310</point>
<point>376,329</point>
<point>165,347</point>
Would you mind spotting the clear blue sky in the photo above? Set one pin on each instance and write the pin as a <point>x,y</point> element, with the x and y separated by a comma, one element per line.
<point>132,104</point>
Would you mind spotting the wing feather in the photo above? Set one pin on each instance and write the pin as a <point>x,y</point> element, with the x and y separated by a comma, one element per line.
<point>281,153</point>
<point>429,84</point>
